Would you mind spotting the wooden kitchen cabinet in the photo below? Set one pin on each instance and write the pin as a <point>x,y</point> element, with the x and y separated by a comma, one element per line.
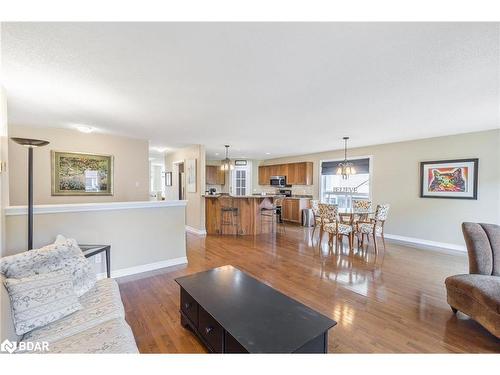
<point>291,209</point>
<point>295,173</point>
<point>300,173</point>
<point>283,170</point>
<point>214,175</point>
<point>264,175</point>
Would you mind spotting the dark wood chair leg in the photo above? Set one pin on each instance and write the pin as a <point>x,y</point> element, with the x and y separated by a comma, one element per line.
<point>375,241</point>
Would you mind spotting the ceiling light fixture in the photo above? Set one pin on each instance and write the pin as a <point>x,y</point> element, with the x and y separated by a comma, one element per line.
<point>225,164</point>
<point>161,150</point>
<point>85,129</point>
<point>268,153</point>
<point>346,168</point>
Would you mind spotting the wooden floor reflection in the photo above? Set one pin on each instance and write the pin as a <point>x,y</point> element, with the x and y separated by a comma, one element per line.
<point>390,302</point>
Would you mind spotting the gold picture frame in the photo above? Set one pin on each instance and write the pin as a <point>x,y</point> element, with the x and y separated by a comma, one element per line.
<point>69,176</point>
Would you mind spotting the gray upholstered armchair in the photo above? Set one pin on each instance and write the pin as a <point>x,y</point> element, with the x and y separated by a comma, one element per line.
<point>477,294</point>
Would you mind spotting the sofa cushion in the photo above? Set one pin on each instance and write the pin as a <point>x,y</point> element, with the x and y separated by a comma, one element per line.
<point>7,328</point>
<point>483,289</point>
<point>64,254</point>
<point>102,303</point>
<point>113,336</point>
<point>41,299</point>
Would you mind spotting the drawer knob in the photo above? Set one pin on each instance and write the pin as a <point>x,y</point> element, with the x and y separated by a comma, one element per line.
<point>187,305</point>
<point>209,329</point>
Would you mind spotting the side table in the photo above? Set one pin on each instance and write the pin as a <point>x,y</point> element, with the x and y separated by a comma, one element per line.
<point>91,250</point>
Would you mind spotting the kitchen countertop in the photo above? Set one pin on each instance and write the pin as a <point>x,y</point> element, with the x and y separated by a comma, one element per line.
<point>259,196</point>
<point>244,196</point>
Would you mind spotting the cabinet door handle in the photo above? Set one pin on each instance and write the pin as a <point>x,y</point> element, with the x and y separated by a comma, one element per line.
<point>209,329</point>
<point>187,305</point>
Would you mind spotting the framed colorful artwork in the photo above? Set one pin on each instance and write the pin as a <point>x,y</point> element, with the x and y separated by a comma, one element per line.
<point>456,179</point>
<point>81,174</point>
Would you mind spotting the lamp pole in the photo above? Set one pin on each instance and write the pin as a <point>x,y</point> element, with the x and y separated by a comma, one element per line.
<point>30,143</point>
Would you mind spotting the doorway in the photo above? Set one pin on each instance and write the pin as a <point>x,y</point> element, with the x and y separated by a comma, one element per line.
<point>181,184</point>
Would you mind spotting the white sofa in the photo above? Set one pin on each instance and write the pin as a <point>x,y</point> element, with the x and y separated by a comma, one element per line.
<point>99,327</point>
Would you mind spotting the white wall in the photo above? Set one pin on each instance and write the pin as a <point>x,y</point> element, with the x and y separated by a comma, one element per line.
<point>195,211</point>
<point>5,322</point>
<point>4,175</point>
<point>395,180</point>
<point>140,233</point>
<point>131,164</point>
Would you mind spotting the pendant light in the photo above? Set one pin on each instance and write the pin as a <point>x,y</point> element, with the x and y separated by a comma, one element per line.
<point>346,168</point>
<point>225,164</point>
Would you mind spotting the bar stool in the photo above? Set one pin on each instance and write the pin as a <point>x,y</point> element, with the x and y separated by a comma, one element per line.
<point>229,215</point>
<point>272,214</point>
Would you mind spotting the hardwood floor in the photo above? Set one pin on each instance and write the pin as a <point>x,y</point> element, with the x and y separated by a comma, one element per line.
<point>391,303</point>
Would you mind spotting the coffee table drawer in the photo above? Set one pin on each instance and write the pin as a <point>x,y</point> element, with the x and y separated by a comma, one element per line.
<point>189,306</point>
<point>212,332</point>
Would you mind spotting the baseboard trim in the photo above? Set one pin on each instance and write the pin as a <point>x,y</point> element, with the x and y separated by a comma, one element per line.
<point>196,231</point>
<point>426,244</point>
<point>144,268</point>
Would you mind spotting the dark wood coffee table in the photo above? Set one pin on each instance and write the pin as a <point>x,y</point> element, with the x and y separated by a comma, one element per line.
<point>231,312</point>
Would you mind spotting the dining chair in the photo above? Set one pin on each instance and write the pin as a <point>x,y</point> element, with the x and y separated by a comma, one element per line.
<point>333,226</point>
<point>361,204</point>
<point>327,214</point>
<point>317,217</point>
<point>375,226</point>
<point>361,209</point>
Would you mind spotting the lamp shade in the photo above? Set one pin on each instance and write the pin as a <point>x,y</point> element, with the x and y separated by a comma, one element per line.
<point>30,142</point>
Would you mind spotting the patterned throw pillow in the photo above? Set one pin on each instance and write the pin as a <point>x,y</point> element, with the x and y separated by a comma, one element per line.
<point>41,299</point>
<point>64,254</point>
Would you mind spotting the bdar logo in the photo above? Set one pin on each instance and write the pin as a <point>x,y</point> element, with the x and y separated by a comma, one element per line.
<point>8,346</point>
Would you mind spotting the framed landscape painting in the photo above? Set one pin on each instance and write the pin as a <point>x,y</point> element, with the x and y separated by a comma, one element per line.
<point>81,174</point>
<point>449,179</point>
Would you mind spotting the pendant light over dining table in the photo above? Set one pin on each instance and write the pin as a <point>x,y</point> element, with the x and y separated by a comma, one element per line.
<point>225,164</point>
<point>346,168</point>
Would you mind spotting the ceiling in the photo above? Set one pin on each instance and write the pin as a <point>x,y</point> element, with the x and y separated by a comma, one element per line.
<point>267,89</point>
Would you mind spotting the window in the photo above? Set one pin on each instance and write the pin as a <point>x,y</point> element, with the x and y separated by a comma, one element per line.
<point>242,179</point>
<point>156,178</point>
<point>336,190</point>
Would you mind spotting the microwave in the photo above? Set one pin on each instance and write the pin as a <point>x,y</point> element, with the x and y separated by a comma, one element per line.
<point>278,181</point>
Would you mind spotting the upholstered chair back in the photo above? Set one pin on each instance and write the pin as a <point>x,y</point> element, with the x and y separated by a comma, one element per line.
<point>361,204</point>
<point>483,248</point>
<point>382,211</point>
<point>328,212</point>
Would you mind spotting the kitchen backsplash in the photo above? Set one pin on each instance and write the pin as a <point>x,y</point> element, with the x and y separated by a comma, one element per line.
<point>296,189</point>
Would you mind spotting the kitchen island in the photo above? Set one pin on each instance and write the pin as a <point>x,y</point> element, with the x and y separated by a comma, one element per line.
<point>249,207</point>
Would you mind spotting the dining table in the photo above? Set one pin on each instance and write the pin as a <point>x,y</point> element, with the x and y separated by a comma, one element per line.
<point>351,216</point>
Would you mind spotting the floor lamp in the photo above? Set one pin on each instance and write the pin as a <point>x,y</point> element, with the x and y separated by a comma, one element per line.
<point>31,144</point>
